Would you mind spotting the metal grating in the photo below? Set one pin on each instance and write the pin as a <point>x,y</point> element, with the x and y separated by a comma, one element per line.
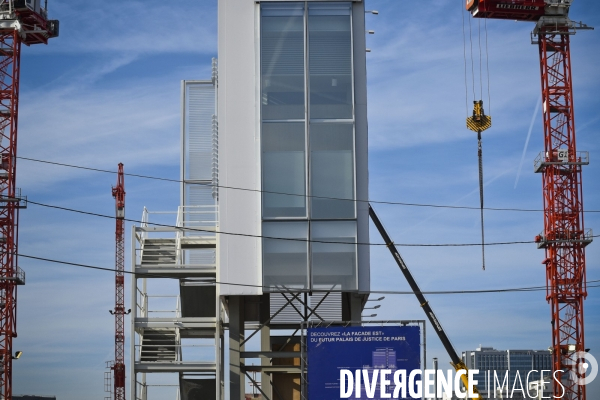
<point>199,111</point>
<point>330,309</point>
<point>288,314</point>
<point>198,195</point>
<point>202,257</point>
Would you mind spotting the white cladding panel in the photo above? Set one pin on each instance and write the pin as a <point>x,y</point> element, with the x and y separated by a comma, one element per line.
<point>362,147</point>
<point>198,144</point>
<point>239,163</point>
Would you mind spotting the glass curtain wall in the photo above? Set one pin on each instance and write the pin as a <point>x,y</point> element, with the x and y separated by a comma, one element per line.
<point>307,146</point>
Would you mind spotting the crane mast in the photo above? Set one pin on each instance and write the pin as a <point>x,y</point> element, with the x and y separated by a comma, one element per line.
<point>564,237</point>
<point>118,367</point>
<point>21,22</point>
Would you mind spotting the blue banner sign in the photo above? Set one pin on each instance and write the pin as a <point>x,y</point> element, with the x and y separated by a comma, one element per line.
<point>357,362</point>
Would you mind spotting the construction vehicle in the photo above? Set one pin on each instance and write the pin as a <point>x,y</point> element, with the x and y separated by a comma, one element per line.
<point>456,361</point>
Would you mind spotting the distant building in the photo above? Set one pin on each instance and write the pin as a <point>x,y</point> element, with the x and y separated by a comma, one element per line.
<point>522,367</point>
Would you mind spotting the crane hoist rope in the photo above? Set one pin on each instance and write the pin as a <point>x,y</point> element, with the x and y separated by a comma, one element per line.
<point>479,122</point>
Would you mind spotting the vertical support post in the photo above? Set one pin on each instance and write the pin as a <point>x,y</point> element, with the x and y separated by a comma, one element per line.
<point>182,148</point>
<point>265,343</point>
<point>351,307</point>
<point>435,369</point>
<point>237,381</point>
<point>134,310</point>
<point>219,360</point>
<point>563,212</point>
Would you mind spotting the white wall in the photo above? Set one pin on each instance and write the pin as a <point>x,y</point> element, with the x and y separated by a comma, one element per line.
<point>239,162</point>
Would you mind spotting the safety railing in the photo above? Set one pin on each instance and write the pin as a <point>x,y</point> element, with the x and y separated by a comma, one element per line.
<point>167,313</point>
<point>19,276</point>
<point>560,157</point>
<point>584,238</point>
<point>145,224</point>
<point>197,217</point>
<point>142,303</point>
<point>141,390</point>
<point>195,221</point>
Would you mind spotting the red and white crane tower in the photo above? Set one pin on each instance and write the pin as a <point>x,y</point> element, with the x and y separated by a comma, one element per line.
<point>21,22</point>
<point>119,312</point>
<point>564,237</point>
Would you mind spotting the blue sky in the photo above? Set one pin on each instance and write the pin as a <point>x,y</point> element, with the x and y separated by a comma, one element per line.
<point>108,91</point>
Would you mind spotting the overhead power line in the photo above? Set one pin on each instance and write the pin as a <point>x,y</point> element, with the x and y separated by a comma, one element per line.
<point>441,292</point>
<point>398,203</point>
<point>280,238</point>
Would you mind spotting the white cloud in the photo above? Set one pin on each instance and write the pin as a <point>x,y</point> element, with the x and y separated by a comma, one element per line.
<point>134,27</point>
<point>137,124</point>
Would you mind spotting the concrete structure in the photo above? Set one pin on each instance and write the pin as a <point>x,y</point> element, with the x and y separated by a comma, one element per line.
<point>292,121</point>
<point>519,365</point>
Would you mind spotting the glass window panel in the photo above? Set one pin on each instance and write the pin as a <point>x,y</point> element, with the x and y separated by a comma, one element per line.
<point>282,9</point>
<point>283,169</point>
<point>285,262</point>
<point>334,263</point>
<point>330,8</point>
<point>332,170</point>
<point>282,61</point>
<point>330,61</point>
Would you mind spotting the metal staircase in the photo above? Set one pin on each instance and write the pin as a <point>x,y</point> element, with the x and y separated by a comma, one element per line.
<point>159,345</point>
<point>159,251</point>
<point>179,332</point>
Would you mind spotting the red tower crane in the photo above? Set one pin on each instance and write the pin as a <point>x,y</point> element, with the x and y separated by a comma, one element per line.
<point>119,312</point>
<point>21,22</point>
<point>564,237</point>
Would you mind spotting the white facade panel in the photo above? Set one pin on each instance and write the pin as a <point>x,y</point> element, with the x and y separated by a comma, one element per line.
<point>198,143</point>
<point>239,163</point>
<point>362,148</point>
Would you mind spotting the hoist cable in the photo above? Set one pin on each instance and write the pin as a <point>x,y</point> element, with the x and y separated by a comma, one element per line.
<point>487,66</point>
<point>465,61</point>
<point>479,153</point>
<point>480,60</point>
<point>472,63</point>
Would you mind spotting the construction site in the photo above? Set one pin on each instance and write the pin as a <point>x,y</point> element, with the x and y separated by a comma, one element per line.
<point>292,200</point>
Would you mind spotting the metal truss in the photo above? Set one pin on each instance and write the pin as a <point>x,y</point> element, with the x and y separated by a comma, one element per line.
<point>564,237</point>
